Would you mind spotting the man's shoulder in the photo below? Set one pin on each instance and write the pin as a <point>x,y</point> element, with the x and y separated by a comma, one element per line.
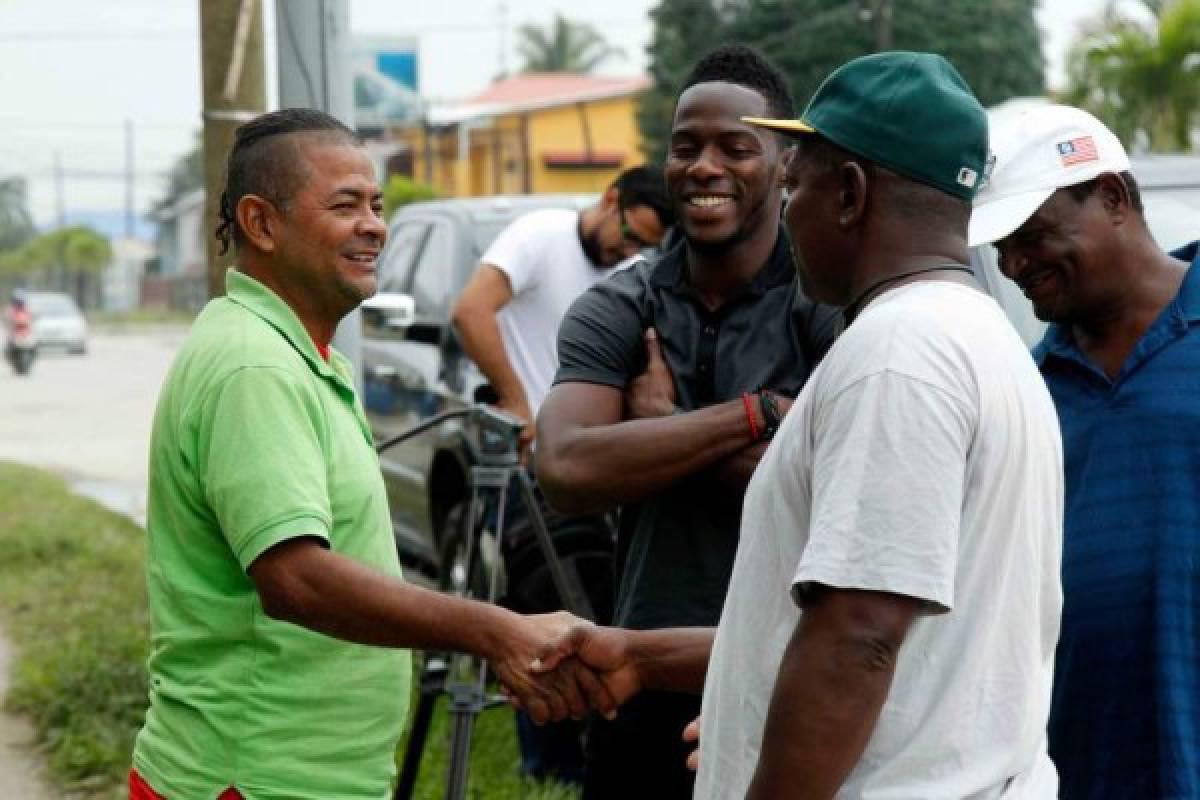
<point>227,338</point>
<point>545,219</point>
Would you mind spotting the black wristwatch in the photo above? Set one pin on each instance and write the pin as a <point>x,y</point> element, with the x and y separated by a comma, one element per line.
<point>771,416</point>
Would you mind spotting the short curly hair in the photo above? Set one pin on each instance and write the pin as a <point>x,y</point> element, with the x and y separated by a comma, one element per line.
<point>745,66</point>
<point>265,162</point>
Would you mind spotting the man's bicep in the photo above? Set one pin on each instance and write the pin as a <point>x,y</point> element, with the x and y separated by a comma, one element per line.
<point>489,288</point>
<point>578,405</point>
<point>600,340</point>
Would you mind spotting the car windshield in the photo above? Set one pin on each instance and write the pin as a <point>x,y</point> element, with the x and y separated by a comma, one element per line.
<point>486,229</point>
<point>52,305</point>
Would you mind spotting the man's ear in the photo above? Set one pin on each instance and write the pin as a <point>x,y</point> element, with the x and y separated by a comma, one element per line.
<point>259,221</point>
<point>1114,195</point>
<point>608,200</point>
<point>852,194</point>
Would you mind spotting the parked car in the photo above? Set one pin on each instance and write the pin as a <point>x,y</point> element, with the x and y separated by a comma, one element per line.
<point>57,321</point>
<point>414,367</point>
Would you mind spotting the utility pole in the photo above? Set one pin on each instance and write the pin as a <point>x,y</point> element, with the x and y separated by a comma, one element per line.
<point>129,210</point>
<point>234,77</point>
<point>881,24</point>
<point>60,195</point>
<point>314,72</point>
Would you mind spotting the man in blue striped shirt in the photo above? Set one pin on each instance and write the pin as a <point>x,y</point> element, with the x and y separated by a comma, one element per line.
<point>1122,361</point>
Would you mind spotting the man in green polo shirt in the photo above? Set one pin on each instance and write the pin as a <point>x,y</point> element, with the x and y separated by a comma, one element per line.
<point>277,605</point>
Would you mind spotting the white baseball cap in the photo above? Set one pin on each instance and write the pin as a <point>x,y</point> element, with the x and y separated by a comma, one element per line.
<point>1036,151</point>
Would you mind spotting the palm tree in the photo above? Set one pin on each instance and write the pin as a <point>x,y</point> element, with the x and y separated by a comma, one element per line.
<point>563,47</point>
<point>1142,79</point>
<point>16,225</point>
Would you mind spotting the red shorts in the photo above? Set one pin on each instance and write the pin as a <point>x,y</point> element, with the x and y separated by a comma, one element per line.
<point>140,790</point>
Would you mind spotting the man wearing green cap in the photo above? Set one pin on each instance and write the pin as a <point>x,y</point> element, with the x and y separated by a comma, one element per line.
<point>890,625</point>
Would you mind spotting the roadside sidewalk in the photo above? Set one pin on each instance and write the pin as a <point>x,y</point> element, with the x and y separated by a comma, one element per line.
<point>20,770</point>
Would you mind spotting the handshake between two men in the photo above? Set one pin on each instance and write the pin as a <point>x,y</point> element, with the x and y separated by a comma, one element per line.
<point>586,667</point>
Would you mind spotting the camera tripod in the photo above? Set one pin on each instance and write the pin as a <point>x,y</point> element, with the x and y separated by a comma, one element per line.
<point>494,435</point>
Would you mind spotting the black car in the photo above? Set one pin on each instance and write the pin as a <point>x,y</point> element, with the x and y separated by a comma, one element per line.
<point>414,369</point>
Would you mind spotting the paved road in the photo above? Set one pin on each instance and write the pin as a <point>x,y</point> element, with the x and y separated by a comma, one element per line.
<point>20,771</point>
<point>88,417</point>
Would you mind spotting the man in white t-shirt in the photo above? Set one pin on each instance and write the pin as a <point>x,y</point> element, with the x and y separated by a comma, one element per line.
<point>890,626</point>
<point>508,315</point>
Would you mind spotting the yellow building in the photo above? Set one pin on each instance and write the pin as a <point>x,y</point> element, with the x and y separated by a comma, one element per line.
<point>554,132</point>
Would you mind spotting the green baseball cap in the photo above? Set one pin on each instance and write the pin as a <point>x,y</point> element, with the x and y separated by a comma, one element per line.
<point>909,112</point>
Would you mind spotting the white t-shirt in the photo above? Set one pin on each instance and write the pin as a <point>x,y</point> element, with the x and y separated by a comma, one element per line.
<point>922,458</point>
<point>547,269</point>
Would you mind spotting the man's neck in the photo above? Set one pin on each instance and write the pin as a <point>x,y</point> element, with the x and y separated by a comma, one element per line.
<point>319,329</point>
<point>1152,280</point>
<point>896,262</point>
<point>719,275</point>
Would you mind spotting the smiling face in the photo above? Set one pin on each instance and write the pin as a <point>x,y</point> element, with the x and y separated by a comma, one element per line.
<point>1059,256</point>
<point>331,230</point>
<point>722,174</point>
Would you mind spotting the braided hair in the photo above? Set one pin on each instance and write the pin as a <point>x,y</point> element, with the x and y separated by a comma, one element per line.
<point>265,162</point>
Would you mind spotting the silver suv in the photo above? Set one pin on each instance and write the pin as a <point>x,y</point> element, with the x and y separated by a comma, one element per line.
<point>414,368</point>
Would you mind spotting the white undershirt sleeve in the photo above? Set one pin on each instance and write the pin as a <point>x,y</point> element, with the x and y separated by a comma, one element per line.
<point>889,467</point>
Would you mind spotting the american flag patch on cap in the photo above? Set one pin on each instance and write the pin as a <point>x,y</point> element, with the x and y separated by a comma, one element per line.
<point>1078,151</point>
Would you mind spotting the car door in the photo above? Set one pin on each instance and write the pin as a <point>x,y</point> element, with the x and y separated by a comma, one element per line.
<point>402,372</point>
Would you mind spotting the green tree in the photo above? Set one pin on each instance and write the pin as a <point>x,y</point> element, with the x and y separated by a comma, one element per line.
<point>564,46</point>
<point>400,190</point>
<point>1141,78</point>
<point>16,224</point>
<point>994,43</point>
<point>683,31</point>
<point>77,249</point>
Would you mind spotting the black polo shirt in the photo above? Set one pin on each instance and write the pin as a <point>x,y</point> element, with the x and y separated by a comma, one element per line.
<point>676,548</point>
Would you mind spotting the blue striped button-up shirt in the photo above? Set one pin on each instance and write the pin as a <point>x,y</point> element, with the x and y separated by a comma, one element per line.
<point>1125,718</point>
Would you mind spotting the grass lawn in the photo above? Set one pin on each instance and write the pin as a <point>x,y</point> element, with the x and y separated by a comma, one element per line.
<point>72,599</point>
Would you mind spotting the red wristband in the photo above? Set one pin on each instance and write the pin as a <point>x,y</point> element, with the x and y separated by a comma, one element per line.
<point>747,404</point>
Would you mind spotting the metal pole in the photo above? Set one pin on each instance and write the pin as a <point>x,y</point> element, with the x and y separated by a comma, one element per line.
<point>228,58</point>
<point>314,72</point>
<point>129,179</point>
<point>60,195</point>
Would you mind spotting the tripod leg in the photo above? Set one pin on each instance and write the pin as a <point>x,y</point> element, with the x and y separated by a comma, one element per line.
<point>416,745</point>
<point>569,587</point>
<point>464,708</point>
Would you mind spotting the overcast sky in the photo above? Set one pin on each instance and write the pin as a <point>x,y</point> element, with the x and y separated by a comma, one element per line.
<point>74,70</point>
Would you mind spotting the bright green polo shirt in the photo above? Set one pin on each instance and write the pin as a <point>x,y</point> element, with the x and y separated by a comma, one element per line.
<point>257,440</point>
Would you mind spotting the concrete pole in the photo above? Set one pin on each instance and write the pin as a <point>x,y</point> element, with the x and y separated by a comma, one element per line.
<point>234,78</point>
<point>129,179</point>
<point>314,72</point>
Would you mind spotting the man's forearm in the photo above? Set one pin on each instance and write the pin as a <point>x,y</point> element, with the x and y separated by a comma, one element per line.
<point>482,341</point>
<point>736,471</point>
<point>594,468</point>
<point>337,596</point>
<point>671,659</point>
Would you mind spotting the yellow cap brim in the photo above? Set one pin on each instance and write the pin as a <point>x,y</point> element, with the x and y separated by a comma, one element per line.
<point>793,126</point>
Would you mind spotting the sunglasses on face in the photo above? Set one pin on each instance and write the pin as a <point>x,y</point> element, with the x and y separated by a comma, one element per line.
<point>628,233</point>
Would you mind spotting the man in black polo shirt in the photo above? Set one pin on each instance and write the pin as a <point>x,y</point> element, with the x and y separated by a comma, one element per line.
<point>672,376</point>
